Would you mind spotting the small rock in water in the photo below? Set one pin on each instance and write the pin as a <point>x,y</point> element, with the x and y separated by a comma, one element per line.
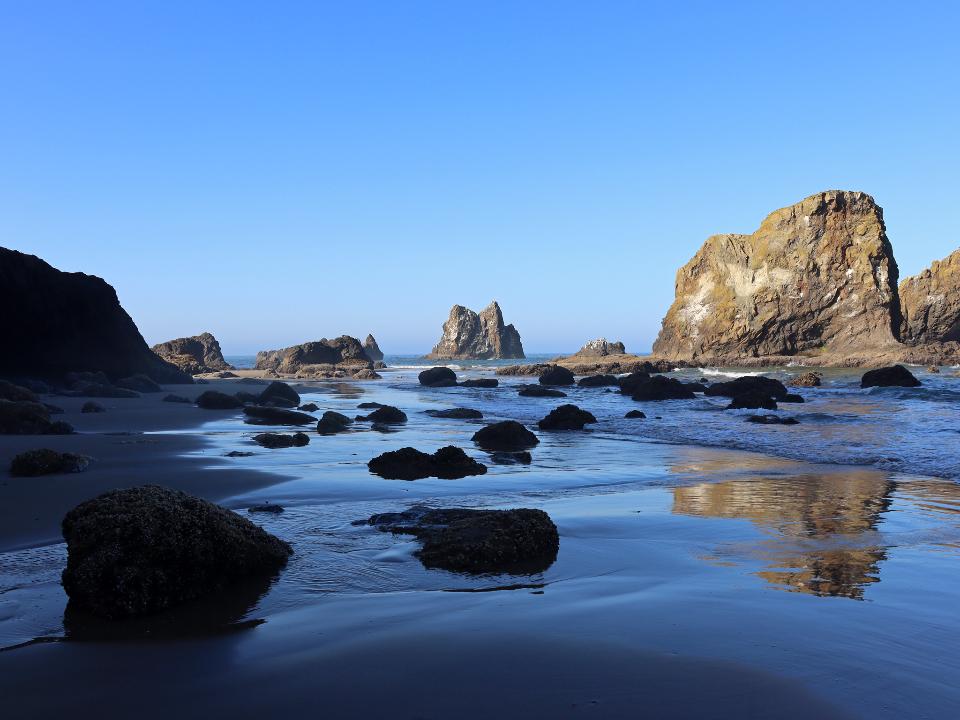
<point>481,383</point>
<point>215,400</point>
<point>177,399</point>
<point>792,398</point>
<point>333,422</point>
<point>46,462</point>
<point>92,407</point>
<point>539,391</point>
<point>566,417</point>
<point>448,463</point>
<point>772,420</point>
<point>521,457</point>
<point>748,384</point>
<point>635,414</point>
<point>893,376</point>
<point>278,440</point>
<point>659,388</point>
<point>935,369</point>
<point>385,414</point>
<point>238,453</point>
<point>259,415</point>
<point>266,507</point>
<point>598,381</point>
<point>308,407</point>
<point>279,393</point>
<point>557,376</point>
<point>508,435</point>
<point>752,401</point>
<point>456,413</point>
<point>438,377</point>
<point>370,405</point>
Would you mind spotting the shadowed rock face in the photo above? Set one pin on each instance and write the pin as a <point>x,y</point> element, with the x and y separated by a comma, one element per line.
<point>483,336</point>
<point>344,350</point>
<point>56,322</point>
<point>198,354</point>
<point>371,348</point>
<point>819,275</point>
<point>930,302</point>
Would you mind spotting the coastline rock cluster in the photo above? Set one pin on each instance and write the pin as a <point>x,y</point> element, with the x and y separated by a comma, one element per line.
<point>194,355</point>
<point>477,336</point>
<point>340,357</point>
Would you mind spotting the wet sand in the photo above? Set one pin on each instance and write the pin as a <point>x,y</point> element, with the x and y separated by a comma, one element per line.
<point>691,582</point>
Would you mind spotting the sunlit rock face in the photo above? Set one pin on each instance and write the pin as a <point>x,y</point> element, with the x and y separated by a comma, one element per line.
<point>818,276</point>
<point>930,302</point>
<point>477,336</point>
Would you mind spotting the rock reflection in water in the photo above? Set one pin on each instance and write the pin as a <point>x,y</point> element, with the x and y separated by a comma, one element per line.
<point>822,527</point>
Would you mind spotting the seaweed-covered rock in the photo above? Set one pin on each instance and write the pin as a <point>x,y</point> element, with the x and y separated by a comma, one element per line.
<point>177,399</point>
<point>332,422</point>
<point>521,541</point>
<point>481,383</point>
<point>807,379</point>
<point>45,462</point>
<point>387,414</point>
<point>279,393</point>
<point>260,415</point>
<point>539,391</point>
<point>566,417</point>
<point>635,414</point>
<point>660,387</point>
<point>145,549</point>
<point>92,407</point>
<point>139,383</point>
<point>274,441</point>
<point>438,377</point>
<point>456,413</point>
<point>29,418</point>
<point>772,420</point>
<point>508,435</point>
<point>598,381</point>
<point>893,376</point>
<point>448,463</point>
<point>557,376</point>
<point>216,400</point>
<point>752,401</point>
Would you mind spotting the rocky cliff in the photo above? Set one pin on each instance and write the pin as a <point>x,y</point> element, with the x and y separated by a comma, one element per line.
<point>344,350</point>
<point>483,336</point>
<point>817,277</point>
<point>198,354</point>
<point>371,348</point>
<point>930,303</point>
<point>55,322</point>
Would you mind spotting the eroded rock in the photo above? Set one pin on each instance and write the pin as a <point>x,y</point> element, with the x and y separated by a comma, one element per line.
<point>483,336</point>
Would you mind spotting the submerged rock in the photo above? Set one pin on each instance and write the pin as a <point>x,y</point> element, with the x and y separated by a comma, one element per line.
<point>46,462</point>
<point>259,415</point>
<point>792,398</point>
<point>598,381</point>
<point>386,414</point>
<point>539,391</point>
<point>520,541</point>
<point>370,405</point>
<point>279,393</point>
<point>635,414</point>
<point>521,457</point>
<point>267,507</point>
<point>566,417</point>
<point>456,413</point>
<point>275,441</point>
<point>772,420</point>
<point>508,435</point>
<point>438,377</point>
<point>177,399</point>
<point>557,376</point>
<point>215,400</point>
<point>893,376</point>
<point>333,422</point>
<point>197,354</point>
<point>483,336</point>
<point>752,400</point>
<point>447,463</point>
<point>481,383</point>
<point>753,384</point>
<point>142,550</point>
<point>92,407</point>
<point>308,407</point>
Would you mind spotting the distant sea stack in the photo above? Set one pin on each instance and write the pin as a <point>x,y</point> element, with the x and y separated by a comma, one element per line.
<point>197,354</point>
<point>371,348</point>
<point>817,278</point>
<point>600,347</point>
<point>471,336</point>
<point>54,322</point>
<point>930,303</point>
<point>317,357</point>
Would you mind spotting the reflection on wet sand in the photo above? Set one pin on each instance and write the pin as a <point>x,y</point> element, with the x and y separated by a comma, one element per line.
<point>822,526</point>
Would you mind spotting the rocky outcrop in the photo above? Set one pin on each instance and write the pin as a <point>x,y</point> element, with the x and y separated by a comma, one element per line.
<point>332,423</point>
<point>371,348</point>
<point>508,436</point>
<point>447,463</point>
<point>894,376</point>
<point>483,336</point>
<point>29,418</point>
<point>600,347</point>
<point>818,277</point>
<point>55,322</point>
<point>197,354</point>
<point>385,414</point>
<point>321,355</point>
<point>274,441</point>
<point>930,303</point>
<point>566,417</point>
<point>438,377</point>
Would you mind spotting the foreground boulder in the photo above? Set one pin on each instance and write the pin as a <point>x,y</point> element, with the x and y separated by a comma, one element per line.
<point>566,417</point>
<point>483,336</point>
<point>29,418</point>
<point>259,415</point>
<point>279,393</point>
<point>521,541</point>
<point>598,381</point>
<point>194,355</point>
<point>275,441</point>
<point>508,435</point>
<point>539,391</point>
<point>332,422</point>
<point>387,415</point>
<point>447,463</point>
<point>557,376</point>
<point>456,413</point>
<point>215,400</point>
<point>46,462</point>
<point>659,387</point>
<point>54,322</point>
<point>893,376</point>
<point>342,352</point>
<point>817,276</point>
<point>142,550</point>
<point>438,377</point>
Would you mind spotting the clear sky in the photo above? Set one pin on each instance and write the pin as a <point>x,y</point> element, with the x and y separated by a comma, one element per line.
<point>276,172</point>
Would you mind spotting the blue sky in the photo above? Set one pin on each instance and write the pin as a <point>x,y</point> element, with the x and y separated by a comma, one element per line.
<point>279,172</point>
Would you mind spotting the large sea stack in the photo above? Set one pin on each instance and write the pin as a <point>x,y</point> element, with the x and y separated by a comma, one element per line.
<point>371,348</point>
<point>471,336</point>
<point>56,322</point>
<point>930,303</point>
<point>817,278</point>
<point>198,354</point>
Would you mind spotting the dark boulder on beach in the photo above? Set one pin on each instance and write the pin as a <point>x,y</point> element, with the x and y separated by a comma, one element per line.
<point>520,541</point>
<point>333,422</point>
<point>566,417</point>
<point>177,399</point>
<point>893,376</point>
<point>481,383</point>
<point>279,393</point>
<point>274,441</point>
<point>386,414</point>
<point>630,383</point>
<point>308,407</point>
<point>752,401</point>
<point>598,381</point>
<point>92,407</point>
<point>660,387</point>
<point>635,414</point>
<point>447,463</point>
<point>215,400</point>
<point>16,393</point>
<point>44,461</point>
<point>29,418</point>
<point>753,384</point>
<point>508,435</point>
<point>772,420</point>
<point>142,550</point>
<point>260,415</point>
<point>54,322</point>
<point>139,383</point>
<point>539,391</point>
<point>807,379</point>
<point>557,376</point>
<point>456,413</point>
<point>438,377</point>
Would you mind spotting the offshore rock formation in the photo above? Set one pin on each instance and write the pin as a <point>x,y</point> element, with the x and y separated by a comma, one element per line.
<point>600,347</point>
<point>322,355</point>
<point>930,302</point>
<point>56,322</point>
<point>198,354</point>
<point>817,278</point>
<point>471,336</point>
<point>371,348</point>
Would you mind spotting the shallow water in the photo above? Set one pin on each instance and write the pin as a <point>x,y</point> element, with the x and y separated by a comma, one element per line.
<point>841,579</point>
